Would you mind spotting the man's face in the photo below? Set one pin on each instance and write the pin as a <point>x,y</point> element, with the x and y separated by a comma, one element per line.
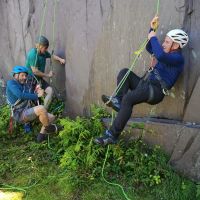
<point>21,77</point>
<point>43,49</point>
<point>168,45</point>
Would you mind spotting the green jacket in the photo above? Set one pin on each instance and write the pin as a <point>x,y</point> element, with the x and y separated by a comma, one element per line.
<point>36,60</point>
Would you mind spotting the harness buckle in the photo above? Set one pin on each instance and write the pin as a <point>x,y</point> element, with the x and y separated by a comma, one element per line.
<point>165,91</point>
<point>150,69</point>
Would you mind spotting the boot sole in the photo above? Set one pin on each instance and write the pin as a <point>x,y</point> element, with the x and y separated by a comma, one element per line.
<point>108,102</point>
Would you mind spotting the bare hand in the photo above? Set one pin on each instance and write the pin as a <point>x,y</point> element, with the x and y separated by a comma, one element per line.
<point>155,23</point>
<point>37,87</point>
<point>50,74</point>
<point>151,34</point>
<point>40,92</point>
<point>62,61</point>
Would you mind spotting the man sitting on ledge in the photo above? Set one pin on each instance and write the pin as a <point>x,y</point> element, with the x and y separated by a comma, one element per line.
<point>19,97</point>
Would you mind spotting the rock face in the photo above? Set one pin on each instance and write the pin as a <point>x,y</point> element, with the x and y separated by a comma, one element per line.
<point>193,108</point>
<point>98,38</point>
<point>179,140</point>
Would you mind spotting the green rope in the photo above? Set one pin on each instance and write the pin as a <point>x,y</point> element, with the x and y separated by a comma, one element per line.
<point>54,23</point>
<point>22,189</point>
<point>53,36</point>
<point>110,183</point>
<point>137,55</point>
<point>40,33</point>
<point>43,17</point>
<point>157,7</point>
<point>133,65</point>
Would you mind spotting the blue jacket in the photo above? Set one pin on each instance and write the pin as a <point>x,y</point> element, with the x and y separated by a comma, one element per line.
<point>16,91</point>
<point>169,66</point>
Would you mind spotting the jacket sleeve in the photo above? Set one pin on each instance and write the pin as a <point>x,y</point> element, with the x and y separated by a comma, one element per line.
<point>16,90</point>
<point>167,58</point>
<point>149,47</point>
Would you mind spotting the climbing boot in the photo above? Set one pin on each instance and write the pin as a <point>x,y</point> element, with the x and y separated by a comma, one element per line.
<point>108,138</point>
<point>113,102</point>
<point>27,127</point>
<point>41,137</point>
<point>52,128</point>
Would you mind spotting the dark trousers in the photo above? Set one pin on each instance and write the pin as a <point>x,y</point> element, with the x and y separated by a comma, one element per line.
<point>135,90</point>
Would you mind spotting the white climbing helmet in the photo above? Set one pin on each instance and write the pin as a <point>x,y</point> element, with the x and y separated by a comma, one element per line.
<point>179,36</point>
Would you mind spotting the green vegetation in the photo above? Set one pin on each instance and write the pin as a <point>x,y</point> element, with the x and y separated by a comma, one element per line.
<point>69,165</point>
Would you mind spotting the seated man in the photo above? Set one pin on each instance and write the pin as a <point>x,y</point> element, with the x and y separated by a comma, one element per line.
<point>153,88</point>
<point>36,61</point>
<point>20,99</point>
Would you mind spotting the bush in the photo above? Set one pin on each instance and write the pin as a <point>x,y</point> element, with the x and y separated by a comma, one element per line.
<point>84,160</point>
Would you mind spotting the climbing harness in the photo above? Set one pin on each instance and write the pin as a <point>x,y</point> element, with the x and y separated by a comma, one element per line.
<point>19,104</point>
<point>10,129</point>
<point>163,85</point>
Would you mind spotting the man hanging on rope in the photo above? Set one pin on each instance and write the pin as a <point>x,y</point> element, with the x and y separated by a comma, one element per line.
<point>36,61</point>
<point>19,97</point>
<point>153,87</point>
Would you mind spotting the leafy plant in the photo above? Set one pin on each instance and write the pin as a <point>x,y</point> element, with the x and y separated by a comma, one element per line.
<point>143,171</point>
<point>84,159</point>
<point>56,107</point>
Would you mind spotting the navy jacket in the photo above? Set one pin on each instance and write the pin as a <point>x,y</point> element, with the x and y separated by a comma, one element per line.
<point>169,66</point>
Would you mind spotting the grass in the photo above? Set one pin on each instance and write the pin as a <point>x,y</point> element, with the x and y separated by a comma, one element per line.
<point>31,165</point>
<point>33,172</point>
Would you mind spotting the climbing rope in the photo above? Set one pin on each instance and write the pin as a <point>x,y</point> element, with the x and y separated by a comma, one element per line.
<point>108,182</point>
<point>22,189</point>
<point>56,91</point>
<point>54,23</point>
<point>40,33</point>
<point>48,143</point>
<point>137,56</point>
<point>53,37</point>
<point>41,26</point>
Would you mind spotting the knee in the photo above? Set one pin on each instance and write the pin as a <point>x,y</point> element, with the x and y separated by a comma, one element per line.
<point>122,72</point>
<point>49,91</point>
<point>127,100</point>
<point>52,117</point>
<point>40,110</point>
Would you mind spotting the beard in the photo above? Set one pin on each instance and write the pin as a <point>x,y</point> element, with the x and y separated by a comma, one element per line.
<point>22,81</point>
